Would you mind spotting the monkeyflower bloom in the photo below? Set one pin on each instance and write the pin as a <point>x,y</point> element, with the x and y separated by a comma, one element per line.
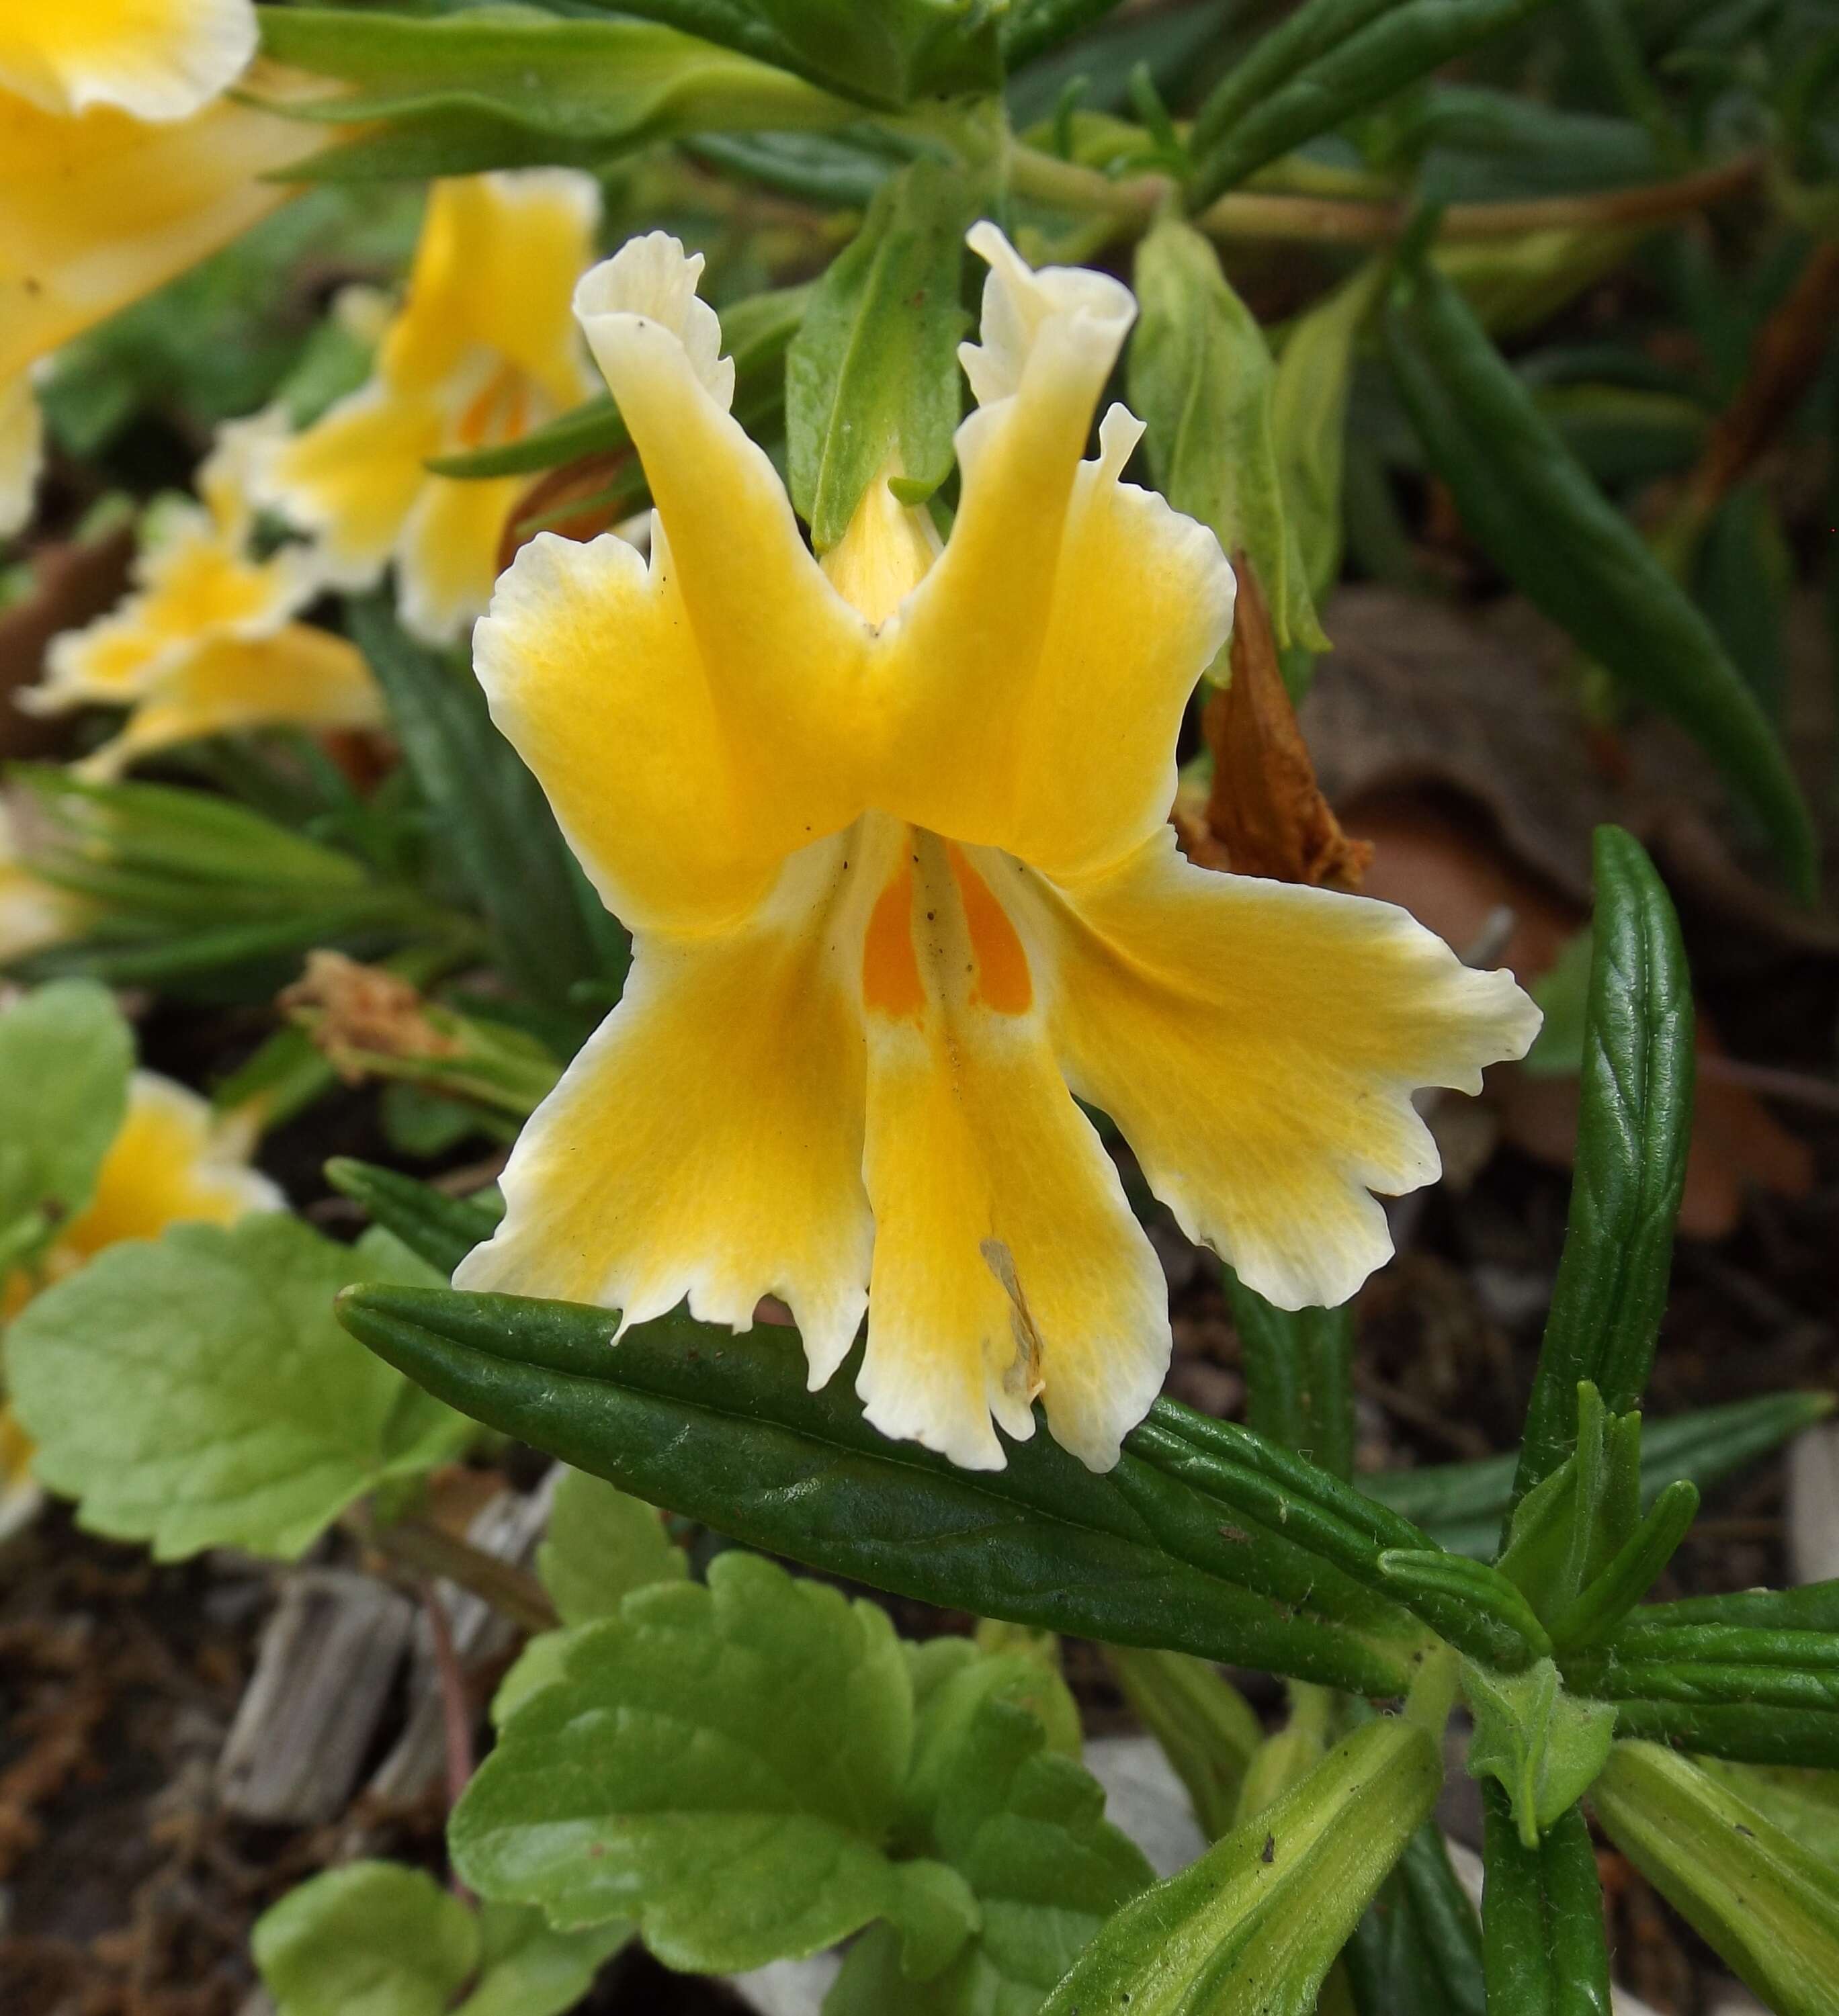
<point>117,172</point>
<point>173,1162</point>
<point>483,350</point>
<point>206,642</point>
<point>891,834</point>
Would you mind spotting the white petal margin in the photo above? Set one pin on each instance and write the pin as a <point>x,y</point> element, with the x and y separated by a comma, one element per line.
<point>653,279</point>
<point>159,59</point>
<point>707,1141</point>
<point>1020,301</point>
<point>209,1149</point>
<point>21,452</point>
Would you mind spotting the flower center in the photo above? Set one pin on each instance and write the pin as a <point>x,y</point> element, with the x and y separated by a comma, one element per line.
<point>939,933</point>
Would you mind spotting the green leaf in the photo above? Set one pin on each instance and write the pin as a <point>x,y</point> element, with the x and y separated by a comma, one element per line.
<point>490,811</point>
<point>1328,60</point>
<point>525,1969</point>
<point>513,87</point>
<point>1309,398</point>
<point>1476,1607</point>
<point>722,1429</point>
<point>873,388</point>
<point>1563,995</point>
<point>601,1544</point>
<point>1417,1951</point>
<point>723,1763</point>
<point>1461,1505</point>
<point>887,54</point>
<point>373,1938</point>
<point>1260,1918</point>
<point>1804,1804</point>
<point>1533,509</point>
<point>1202,380</point>
<point>196,1392</point>
<point>1768,1907</point>
<point>1030,28</point>
<point>1541,1906</point>
<point>1025,1828</point>
<point>65,1053</point>
<point>1298,1369</point>
<point>1543,1745</point>
<point>1206,1727</point>
<point>1605,1600</point>
<point>1634,1131</point>
<point>441,1229</point>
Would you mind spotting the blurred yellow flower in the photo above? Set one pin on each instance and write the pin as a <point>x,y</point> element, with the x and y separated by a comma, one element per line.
<point>34,913</point>
<point>483,350</point>
<point>157,58</point>
<point>206,643</point>
<point>98,207</point>
<point>174,1161</point>
<point>891,835</point>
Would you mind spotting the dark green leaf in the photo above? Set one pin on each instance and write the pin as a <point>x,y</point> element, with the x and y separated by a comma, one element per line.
<point>722,1429</point>
<point>439,1229</point>
<point>872,390</point>
<point>1543,1948</point>
<point>1535,511</point>
<point>1298,1363</point>
<point>1417,1951</point>
<point>1634,1129</point>
<point>491,811</point>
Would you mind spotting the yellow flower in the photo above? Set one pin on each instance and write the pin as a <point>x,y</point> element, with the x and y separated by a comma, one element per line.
<point>34,913</point>
<point>156,59</point>
<point>484,351</point>
<point>98,207</point>
<point>891,834</point>
<point>174,1161</point>
<point>205,644</point>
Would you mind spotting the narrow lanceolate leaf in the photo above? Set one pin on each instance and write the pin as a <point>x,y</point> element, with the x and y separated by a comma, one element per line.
<point>1031,28</point>
<point>872,378</point>
<point>1298,1372</point>
<point>1417,1951</point>
<point>196,1391</point>
<point>489,810</point>
<point>1461,1505</point>
<point>1631,1572</point>
<point>1329,60</point>
<point>1206,1727</point>
<point>1634,1128</point>
<point>1202,380</point>
<point>754,334</point>
<point>1255,1923</point>
<point>1768,1907</point>
<point>1542,1939</point>
<point>723,1763</point>
<point>722,1429</point>
<point>437,1228</point>
<point>459,93</point>
<point>1534,510</point>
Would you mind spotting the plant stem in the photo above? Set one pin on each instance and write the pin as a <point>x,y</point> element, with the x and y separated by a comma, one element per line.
<point>428,1550</point>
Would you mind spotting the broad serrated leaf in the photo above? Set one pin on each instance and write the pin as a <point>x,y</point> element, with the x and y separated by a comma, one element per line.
<point>602,1544</point>
<point>1026,1828</point>
<point>65,1053</point>
<point>722,1762</point>
<point>1202,380</point>
<point>873,389</point>
<point>373,1938</point>
<point>197,1391</point>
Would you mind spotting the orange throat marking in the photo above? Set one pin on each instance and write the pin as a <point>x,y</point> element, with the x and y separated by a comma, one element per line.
<point>892,984</point>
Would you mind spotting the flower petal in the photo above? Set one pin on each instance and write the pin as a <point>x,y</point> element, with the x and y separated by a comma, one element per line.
<point>352,478</point>
<point>1041,666</point>
<point>1258,1044</point>
<point>172,1162</point>
<point>448,556</point>
<point>300,677</point>
<point>496,269</point>
<point>1007,1261</point>
<point>784,652</point>
<point>157,59</point>
<point>22,452</point>
<point>707,1141</point>
<point>98,209</point>
<point>592,666</point>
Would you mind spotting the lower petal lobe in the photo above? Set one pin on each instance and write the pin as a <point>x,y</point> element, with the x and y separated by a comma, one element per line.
<point>1259,1043</point>
<point>707,1141</point>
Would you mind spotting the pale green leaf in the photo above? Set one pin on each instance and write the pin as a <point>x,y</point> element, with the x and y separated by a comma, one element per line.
<point>371,1939</point>
<point>1543,1745</point>
<point>196,1392</point>
<point>525,1969</point>
<point>602,1544</point>
<point>722,1762</point>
